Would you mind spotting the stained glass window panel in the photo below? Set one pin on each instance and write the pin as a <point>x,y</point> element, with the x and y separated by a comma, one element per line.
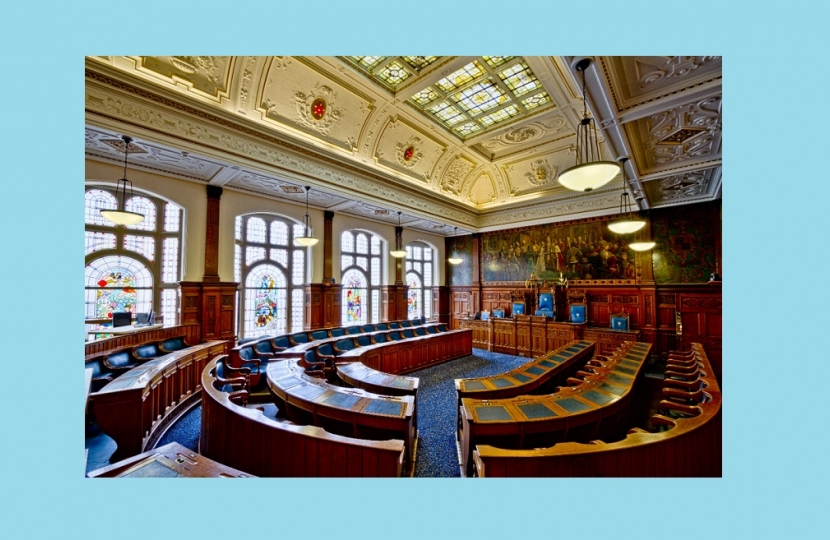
<point>461,77</point>
<point>375,271</point>
<point>424,97</point>
<point>347,242</point>
<point>254,254</point>
<point>117,284</point>
<point>481,97</point>
<point>496,61</point>
<point>465,129</point>
<point>419,62</point>
<point>265,301</point>
<point>520,79</point>
<point>280,256</point>
<point>375,306</point>
<point>534,101</point>
<point>354,297</point>
<point>447,113</point>
<point>428,274</point>
<point>298,271</point>
<point>392,74</point>
<point>144,245</point>
<point>375,245</point>
<point>96,241</point>
<point>297,309</point>
<point>172,217</point>
<point>368,62</point>
<point>413,299</point>
<point>95,201</point>
<point>169,302</point>
<point>170,260</point>
<point>362,244</point>
<point>427,304</point>
<point>145,207</point>
<point>499,115</point>
<point>256,230</point>
<point>279,233</point>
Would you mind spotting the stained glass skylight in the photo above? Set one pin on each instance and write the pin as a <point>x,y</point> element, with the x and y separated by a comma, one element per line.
<point>391,70</point>
<point>482,94</point>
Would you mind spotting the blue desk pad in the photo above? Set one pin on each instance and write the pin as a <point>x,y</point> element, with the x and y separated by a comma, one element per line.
<point>387,408</point>
<point>487,413</point>
<point>536,410</point>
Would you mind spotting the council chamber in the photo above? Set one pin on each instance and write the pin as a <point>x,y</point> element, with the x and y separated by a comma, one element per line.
<point>403,266</point>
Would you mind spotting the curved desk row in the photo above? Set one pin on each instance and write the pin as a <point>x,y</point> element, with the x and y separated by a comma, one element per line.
<point>413,353</point>
<point>249,441</point>
<point>581,412</point>
<point>350,412</point>
<point>538,375</point>
<point>169,461</point>
<point>691,447</point>
<point>137,407</point>
<point>359,375</point>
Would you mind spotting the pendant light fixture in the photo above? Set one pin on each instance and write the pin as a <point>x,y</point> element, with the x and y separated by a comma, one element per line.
<point>628,222</point>
<point>642,246</point>
<point>590,172</point>
<point>306,240</point>
<point>398,253</point>
<point>121,216</point>
<point>454,259</point>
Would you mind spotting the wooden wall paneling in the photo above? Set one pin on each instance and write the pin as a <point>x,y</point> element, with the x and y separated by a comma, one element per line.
<point>504,336</point>
<point>313,298</point>
<point>332,299</point>
<point>441,307</point>
<point>524,342</point>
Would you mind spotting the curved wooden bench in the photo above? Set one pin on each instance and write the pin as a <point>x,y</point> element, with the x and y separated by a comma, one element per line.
<point>350,412</point>
<point>690,447</point>
<point>136,408</point>
<point>249,441</point>
<point>362,376</point>
<point>580,412</point>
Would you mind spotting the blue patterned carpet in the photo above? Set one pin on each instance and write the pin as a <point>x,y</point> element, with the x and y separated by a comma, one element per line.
<point>437,455</point>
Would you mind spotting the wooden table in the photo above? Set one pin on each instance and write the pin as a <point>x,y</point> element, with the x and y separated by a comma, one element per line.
<point>169,461</point>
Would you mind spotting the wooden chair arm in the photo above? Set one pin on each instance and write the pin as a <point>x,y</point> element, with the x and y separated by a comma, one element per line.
<point>675,393</point>
<point>265,355</point>
<point>691,385</point>
<point>688,409</point>
<point>235,381</point>
<point>681,366</point>
<point>687,354</point>
<point>315,373</point>
<point>305,364</point>
<point>686,376</point>
<point>573,381</point>
<point>660,420</point>
<point>255,361</point>
<point>636,430</point>
<point>328,359</point>
<point>245,371</point>
<point>119,369</point>
<point>239,397</point>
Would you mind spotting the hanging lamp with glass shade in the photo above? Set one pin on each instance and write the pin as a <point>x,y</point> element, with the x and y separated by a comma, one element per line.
<point>455,259</point>
<point>642,246</point>
<point>398,253</point>
<point>306,240</point>
<point>590,171</point>
<point>121,216</point>
<point>628,222</point>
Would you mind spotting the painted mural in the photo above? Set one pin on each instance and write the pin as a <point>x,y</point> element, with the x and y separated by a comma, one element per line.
<point>686,249</point>
<point>461,246</point>
<point>577,251</point>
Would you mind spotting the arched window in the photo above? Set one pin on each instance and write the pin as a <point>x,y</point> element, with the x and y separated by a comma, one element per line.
<point>272,270</point>
<point>132,268</point>
<point>420,267</point>
<point>360,267</point>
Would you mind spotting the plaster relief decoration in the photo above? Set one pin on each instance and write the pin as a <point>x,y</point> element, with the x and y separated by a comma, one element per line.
<point>681,186</point>
<point>520,134</point>
<point>483,190</point>
<point>532,175</point>
<point>685,133</point>
<point>405,149</point>
<point>245,86</point>
<point>457,171</point>
<point>525,136</point>
<point>541,173</point>
<point>408,153</point>
<point>650,71</point>
<point>315,110</point>
<point>207,74</point>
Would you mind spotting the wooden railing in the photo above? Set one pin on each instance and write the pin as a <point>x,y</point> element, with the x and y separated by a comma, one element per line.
<point>110,345</point>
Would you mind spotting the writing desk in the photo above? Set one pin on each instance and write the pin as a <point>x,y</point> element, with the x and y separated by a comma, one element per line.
<point>169,461</point>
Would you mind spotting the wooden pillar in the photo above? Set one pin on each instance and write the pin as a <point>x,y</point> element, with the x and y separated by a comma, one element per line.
<point>211,303</point>
<point>441,303</point>
<point>328,245</point>
<point>322,300</point>
<point>476,272</point>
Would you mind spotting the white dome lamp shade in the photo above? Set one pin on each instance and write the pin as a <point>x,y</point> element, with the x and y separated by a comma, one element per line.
<point>306,240</point>
<point>121,216</point>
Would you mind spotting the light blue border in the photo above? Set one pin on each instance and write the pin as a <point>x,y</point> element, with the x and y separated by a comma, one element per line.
<point>774,450</point>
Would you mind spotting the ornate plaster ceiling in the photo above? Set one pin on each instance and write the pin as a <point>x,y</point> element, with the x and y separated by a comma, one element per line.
<point>380,138</point>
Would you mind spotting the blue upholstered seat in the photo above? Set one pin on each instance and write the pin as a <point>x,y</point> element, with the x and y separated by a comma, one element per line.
<point>417,321</point>
<point>379,338</point>
<point>432,329</point>
<point>420,331</point>
<point>280,343</point>
<point>518,308</point>
<point>408,333</point>
<point>145,352</point>
<point>545,308</point>
<point>363,341</point>
<point>120,361</point>
<point>264,347</point>
<point>300,337</point>
<point>579,313</point>
<point>172,345</point>
<point>325,349</point>
<point>101,375</point>
<point>367,328</point>
<point>442,327</point>
<point>619,321</point>
<point>382,326</point>
<point>246,356</point>
<point>338,332</point>
<point>498,313</point>
<point>395,336</point>
<point>344,345</point>
<point>394,326</point>
<point>353,330</point>
<point>319,334</point>
<point>406,324</point>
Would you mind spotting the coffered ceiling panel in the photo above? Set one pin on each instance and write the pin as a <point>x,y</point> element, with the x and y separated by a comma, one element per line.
<point>408,150</point>
<point>684,188</point>
<point>297,95</point>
